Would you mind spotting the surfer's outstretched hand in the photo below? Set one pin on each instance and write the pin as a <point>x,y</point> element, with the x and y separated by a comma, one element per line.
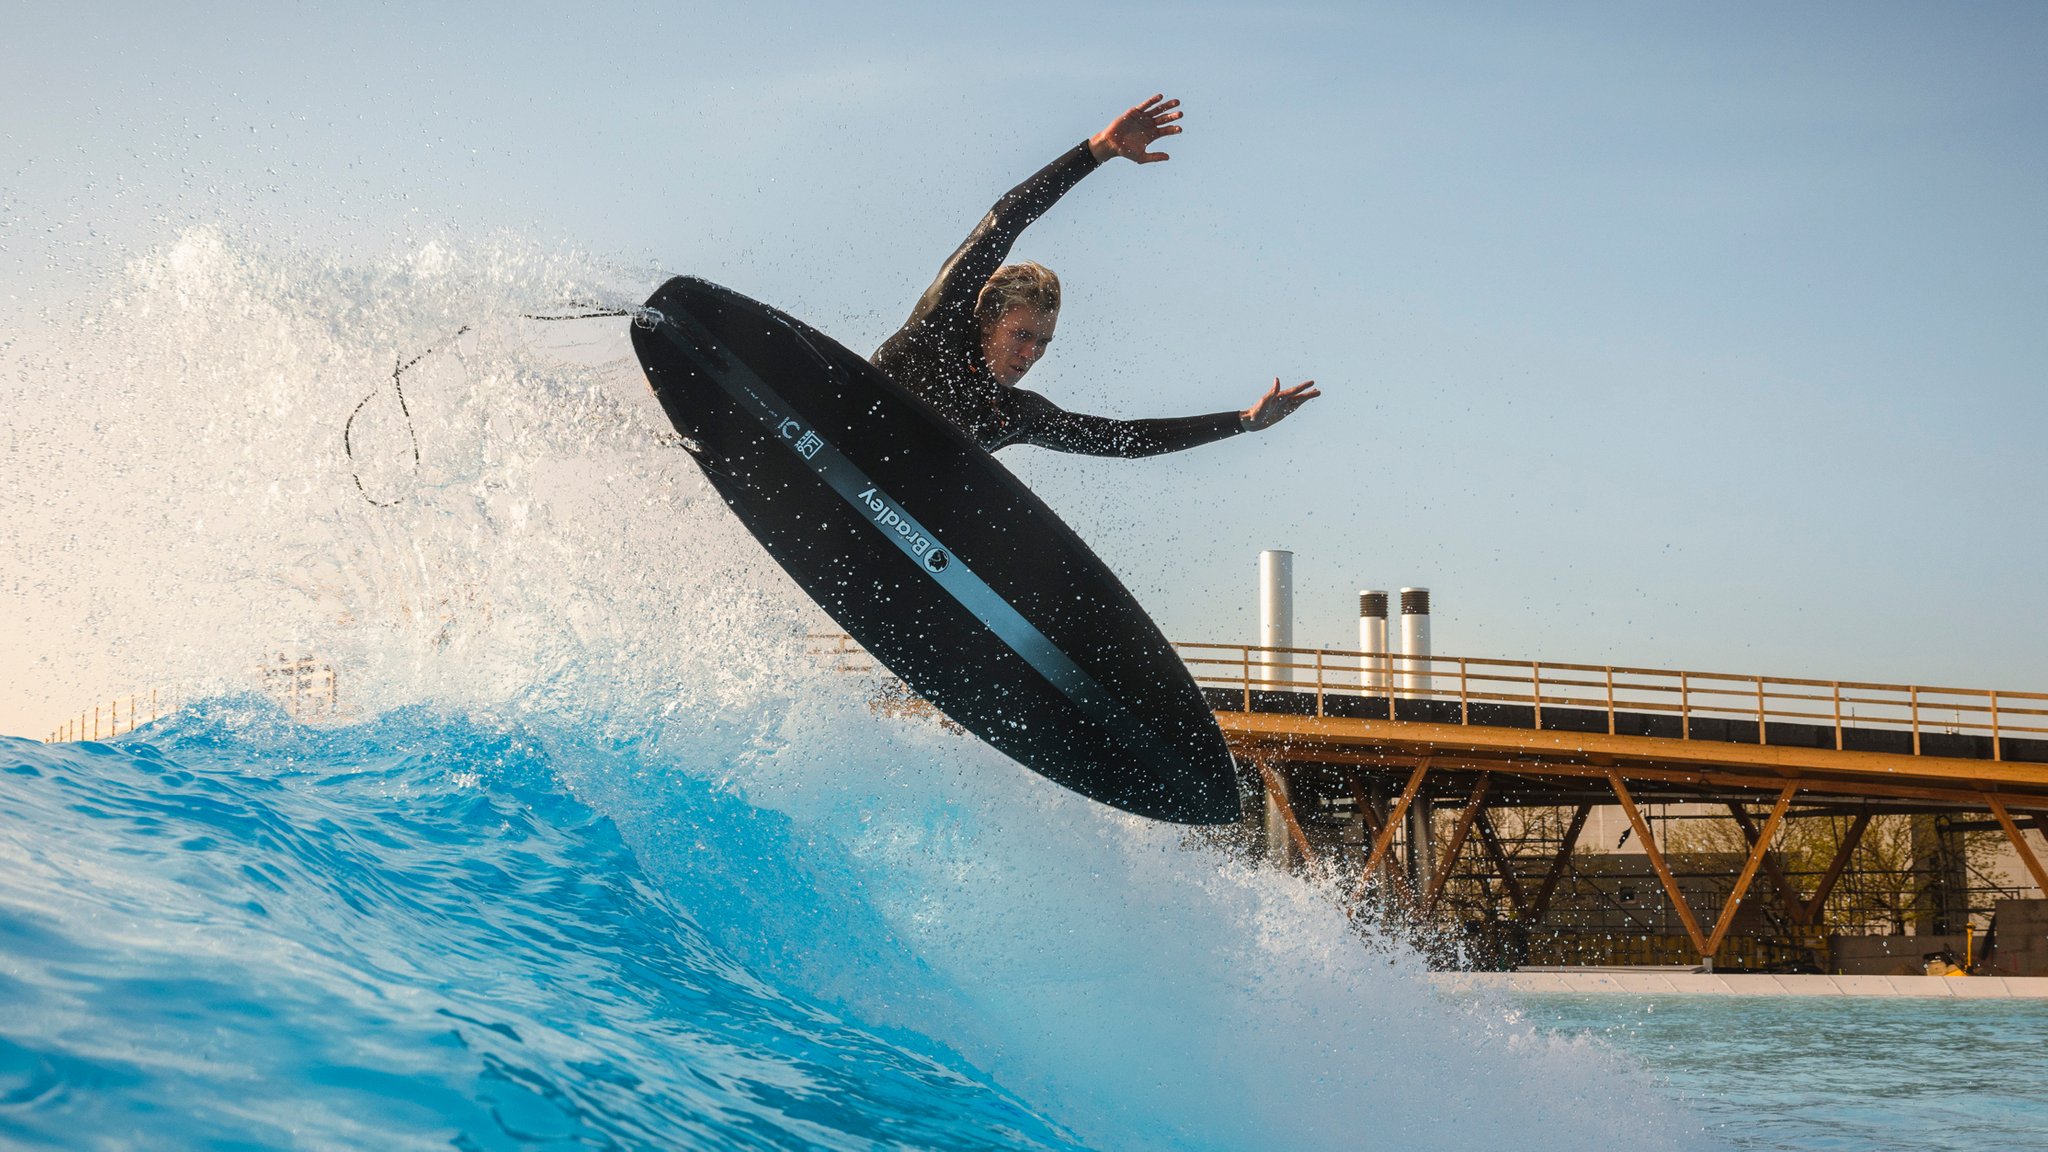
<point>1141,126</point>
<point>1277,404</point>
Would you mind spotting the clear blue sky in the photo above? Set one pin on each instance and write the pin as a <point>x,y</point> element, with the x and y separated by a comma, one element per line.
<point>1706,337</point>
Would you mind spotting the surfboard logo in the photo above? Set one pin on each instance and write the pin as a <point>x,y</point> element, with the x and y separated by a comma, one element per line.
<point>889,518</point>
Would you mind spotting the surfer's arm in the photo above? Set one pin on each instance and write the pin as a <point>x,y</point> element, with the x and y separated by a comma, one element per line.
<point>1131,136</point>
<point>947,306</point>
<point>960,281</point>
<point>1051,426</point>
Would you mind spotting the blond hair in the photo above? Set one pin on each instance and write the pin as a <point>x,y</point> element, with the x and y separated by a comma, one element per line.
<point>1017,285</point>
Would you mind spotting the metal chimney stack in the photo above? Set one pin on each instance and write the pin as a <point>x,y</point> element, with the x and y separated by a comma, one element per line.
<point>1415,681</point>
<point>1372,640</point>
<point>1276,617</point>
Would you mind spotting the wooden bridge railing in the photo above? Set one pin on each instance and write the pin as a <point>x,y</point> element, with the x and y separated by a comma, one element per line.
<point>90,725</point>
<point>1617,692</point>
<point>1620,694</point>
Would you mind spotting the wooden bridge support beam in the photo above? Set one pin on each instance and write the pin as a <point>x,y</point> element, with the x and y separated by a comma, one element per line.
<point>1473,807</point>
<point>1506,868</point>
<point>2019,842</point>
<point>1279,799</point>
<point>1540,906</point>
<point>1836,867</point>
<point>1363,802</point>
<point>1372,818</point>
<point>1757,853</point>
<point>1385,839</point>
<point>1795,908</point>
<point>1656,855</point>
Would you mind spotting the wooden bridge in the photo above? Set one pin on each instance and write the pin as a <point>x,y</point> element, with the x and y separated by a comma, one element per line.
<point>1385,745</point>
<point>1405,734</point>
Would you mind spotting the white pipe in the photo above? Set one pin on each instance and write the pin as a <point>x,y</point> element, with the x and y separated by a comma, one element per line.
<point>1276,616</point>
<point>1415,642</point>
<point>1372,640</point>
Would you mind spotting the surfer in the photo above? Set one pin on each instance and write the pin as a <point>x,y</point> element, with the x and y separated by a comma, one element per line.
<point>982,324</point>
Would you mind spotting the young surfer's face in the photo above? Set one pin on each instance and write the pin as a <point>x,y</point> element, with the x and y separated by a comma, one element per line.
<point>1015,342</point>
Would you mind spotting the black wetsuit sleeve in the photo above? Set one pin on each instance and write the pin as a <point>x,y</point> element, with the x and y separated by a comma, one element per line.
<point>959,283</point>
<point>1050,426</point>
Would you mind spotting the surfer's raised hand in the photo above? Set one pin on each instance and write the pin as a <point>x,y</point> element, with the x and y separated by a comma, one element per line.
<point>1130,134</point>
<point>1277,404</point>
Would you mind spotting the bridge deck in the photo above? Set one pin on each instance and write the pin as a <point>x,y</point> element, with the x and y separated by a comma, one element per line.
<point>1874,765</point>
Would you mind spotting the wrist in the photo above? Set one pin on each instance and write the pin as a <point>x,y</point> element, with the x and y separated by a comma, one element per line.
<point>1244,422</point>
<point>1099,148</point>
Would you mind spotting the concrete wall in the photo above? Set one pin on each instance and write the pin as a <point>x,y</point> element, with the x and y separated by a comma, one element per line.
<point>1891,955</point>
<point>2021,941</point>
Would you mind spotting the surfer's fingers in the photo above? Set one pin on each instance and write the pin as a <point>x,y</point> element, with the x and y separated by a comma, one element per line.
<point>1288,399</point>
<point>1159,117</point>
<point>1150,157</point>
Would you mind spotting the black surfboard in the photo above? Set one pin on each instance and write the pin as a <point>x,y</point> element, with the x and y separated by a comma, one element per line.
<point>933,556</point>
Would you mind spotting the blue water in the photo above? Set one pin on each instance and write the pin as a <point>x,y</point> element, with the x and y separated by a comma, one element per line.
<point>1835,1073</point>
<point>228,931</point>
<point>406,938</point>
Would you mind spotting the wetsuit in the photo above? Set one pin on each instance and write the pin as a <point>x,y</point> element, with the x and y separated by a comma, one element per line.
<point>937,353</point>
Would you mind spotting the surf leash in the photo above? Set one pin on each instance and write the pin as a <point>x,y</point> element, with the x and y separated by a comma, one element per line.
<point>348,429</point>
<point>644,317</point>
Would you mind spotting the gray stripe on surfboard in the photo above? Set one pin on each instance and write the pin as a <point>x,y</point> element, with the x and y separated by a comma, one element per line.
<point>955,576</point>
